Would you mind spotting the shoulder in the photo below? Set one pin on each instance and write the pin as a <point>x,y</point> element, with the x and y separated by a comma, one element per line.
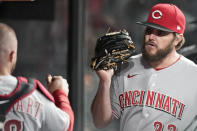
<point>43,90</point>
<point>187,62</point>
<point>134,63</point>
<point>38,86</point>
<point>187,66</point>
<point>136,58</point>
<point>7,84</point>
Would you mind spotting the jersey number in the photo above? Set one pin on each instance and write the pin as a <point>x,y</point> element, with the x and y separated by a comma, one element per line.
<point>159,126</point>
<point>13,125</point>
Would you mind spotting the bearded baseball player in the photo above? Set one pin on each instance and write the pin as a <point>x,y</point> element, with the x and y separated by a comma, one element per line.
<point>25,104</point>
<point>156,90</point>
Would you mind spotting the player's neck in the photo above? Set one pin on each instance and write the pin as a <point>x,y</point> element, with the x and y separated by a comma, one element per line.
<point>170,59</point>
<point>4,71</point>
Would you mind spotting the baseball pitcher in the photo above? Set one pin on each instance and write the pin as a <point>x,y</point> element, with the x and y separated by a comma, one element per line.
<point>155,90</point>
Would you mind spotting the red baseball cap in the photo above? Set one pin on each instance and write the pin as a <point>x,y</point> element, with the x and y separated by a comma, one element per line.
<point>166,17</point>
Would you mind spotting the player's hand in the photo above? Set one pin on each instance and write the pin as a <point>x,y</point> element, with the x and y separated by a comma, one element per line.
<point>56,82</point>
<point>105,75</point>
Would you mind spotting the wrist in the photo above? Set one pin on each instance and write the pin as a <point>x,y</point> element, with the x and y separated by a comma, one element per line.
<point>59,91</point>
<point>105,83</point>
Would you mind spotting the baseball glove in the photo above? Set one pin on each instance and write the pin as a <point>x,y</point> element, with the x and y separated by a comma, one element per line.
<point>111,49</point>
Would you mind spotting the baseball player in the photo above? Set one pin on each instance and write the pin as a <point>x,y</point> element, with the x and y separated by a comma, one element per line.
<point>25,104</point>
<point>155,90</point>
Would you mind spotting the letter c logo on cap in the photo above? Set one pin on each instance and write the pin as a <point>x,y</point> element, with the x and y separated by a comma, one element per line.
<point>156,14</point>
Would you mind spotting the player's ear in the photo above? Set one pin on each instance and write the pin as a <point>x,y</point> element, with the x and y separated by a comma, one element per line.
<point>12,56</point>
<point>179,37</point>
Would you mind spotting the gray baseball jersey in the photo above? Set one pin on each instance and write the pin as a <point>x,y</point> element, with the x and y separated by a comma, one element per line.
<point>33,113</point>
<point>148,99</point>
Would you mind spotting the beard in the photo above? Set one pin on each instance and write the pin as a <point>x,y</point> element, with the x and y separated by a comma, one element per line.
<point>159,55</point>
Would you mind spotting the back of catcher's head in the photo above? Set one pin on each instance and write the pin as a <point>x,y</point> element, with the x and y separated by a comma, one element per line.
<point>8,46</point>
<point>8,38</point>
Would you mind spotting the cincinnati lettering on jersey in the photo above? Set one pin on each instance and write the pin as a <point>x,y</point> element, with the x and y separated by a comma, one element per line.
<point>152,99</point>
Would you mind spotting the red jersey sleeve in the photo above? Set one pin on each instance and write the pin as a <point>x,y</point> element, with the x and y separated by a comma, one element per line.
<point>62,101</point>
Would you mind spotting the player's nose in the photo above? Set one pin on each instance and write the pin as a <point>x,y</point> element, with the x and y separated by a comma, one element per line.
<point>152,36</point>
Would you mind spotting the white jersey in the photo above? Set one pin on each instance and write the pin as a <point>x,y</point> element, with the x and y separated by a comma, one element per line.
<point>148,99</point>
<point>33,113</point>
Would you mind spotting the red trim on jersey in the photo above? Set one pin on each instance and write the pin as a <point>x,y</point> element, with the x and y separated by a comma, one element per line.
<point>13,92</point>
<point>44,90</point>
<point>20,80</point>
<point>62,101</point>
<point>157,69</point>
<point>115,114</point>
<point>38,84</point>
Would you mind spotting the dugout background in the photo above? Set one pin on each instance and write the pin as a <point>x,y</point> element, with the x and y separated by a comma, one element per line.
<point>58,37</point>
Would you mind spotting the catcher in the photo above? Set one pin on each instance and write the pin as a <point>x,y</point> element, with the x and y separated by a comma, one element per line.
<point>111,49</point>
<point>25,104</point>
